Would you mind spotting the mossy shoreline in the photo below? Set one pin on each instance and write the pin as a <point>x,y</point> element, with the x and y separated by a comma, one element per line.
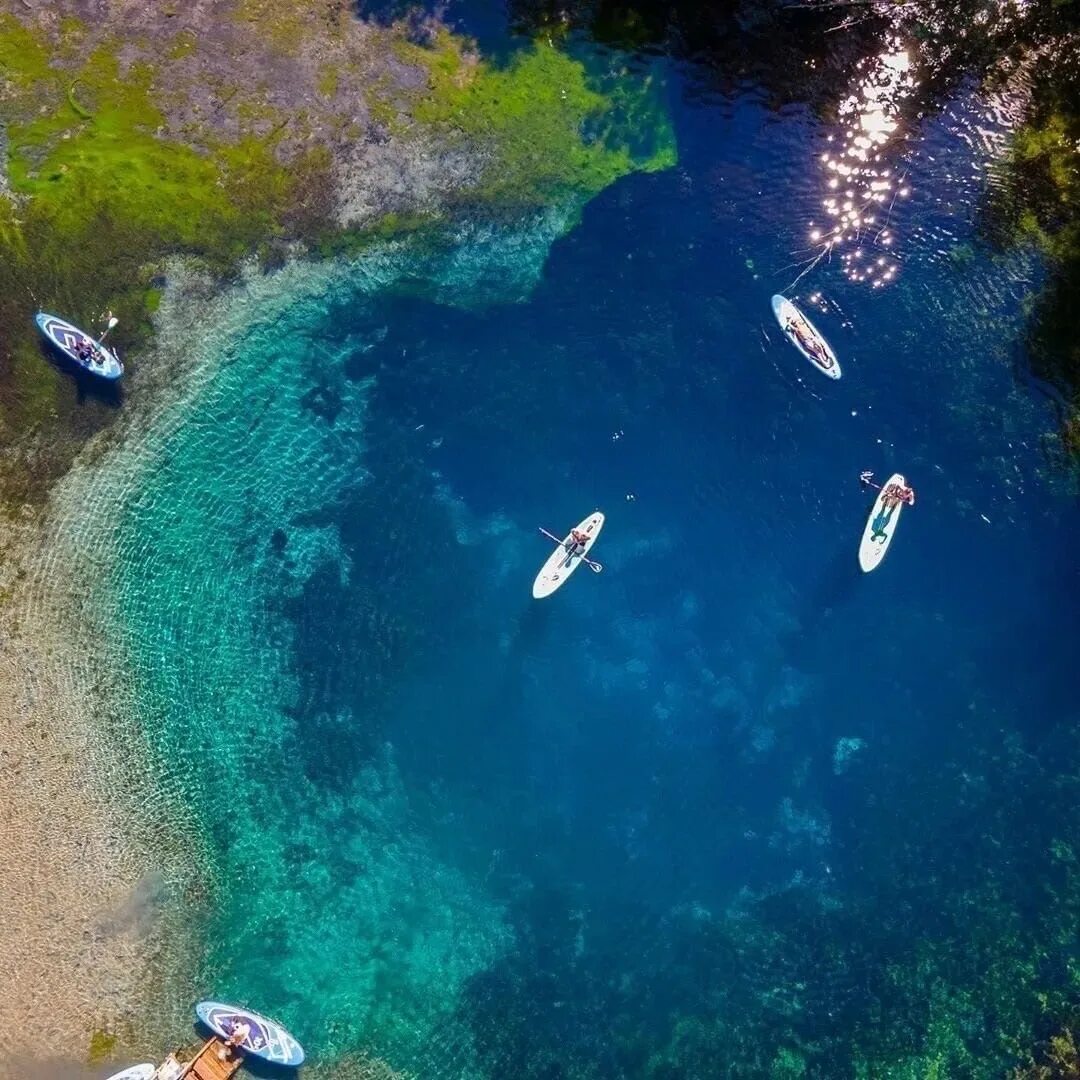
<point>267,129</point>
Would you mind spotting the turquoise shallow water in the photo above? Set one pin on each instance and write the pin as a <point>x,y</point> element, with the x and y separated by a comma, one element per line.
<point>480,836</point>
<point>233,518</point>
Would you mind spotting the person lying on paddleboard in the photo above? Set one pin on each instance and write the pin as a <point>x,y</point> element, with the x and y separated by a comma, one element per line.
<point>806,340</point>
<point>894,493</point>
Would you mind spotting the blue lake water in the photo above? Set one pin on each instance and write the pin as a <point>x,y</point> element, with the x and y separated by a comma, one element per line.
<point>456,827</point>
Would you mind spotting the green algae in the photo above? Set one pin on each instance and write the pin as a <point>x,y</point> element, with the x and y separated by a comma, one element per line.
<point>384,106</point>
<point>102,1045</point>
<point>177,198</point>
<point>328,80</point>
<point>552,131</point>
<point>104,150</point>
<point>99,196</point>
<point>184,45</point>
<point>76,108</point>
<point>24,58</point>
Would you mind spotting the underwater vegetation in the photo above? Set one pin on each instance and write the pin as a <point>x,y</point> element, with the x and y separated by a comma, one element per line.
<point>949,952</point>
<point>256,129</point>
<point>1059,1061</point>
<point>1040,204</point>
<point>552,129</point>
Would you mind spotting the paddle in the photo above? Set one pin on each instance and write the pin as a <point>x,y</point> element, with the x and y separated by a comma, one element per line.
<point>595,567</point>
<point>113,320</point>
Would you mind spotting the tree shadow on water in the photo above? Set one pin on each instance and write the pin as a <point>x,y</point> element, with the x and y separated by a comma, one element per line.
<point>487,24</point>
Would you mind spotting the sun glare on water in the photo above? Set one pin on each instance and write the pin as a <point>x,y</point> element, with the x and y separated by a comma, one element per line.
<point>861,187</point>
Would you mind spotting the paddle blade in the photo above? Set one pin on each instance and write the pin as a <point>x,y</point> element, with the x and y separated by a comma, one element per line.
<point>112,322</point>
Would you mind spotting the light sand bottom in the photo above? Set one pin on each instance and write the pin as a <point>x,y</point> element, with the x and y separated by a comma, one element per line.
<point>99,887</point>
<point>78,928</point>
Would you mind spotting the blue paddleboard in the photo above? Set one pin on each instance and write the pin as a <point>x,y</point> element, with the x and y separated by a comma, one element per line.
<point>104,362</point>
<point>265,1038</point>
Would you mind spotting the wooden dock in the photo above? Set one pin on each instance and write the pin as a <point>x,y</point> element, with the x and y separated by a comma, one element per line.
<point>207,1064</point>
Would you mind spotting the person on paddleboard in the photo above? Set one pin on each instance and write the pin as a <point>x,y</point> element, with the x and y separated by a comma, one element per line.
<point>891,497</point>
<point>240,1031</point>
<point>575,546</point>
<point>806,340</point>
<point>895,494</point>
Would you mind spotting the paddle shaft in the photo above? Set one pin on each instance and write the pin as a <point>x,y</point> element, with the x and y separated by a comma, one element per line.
<point>594,566</point>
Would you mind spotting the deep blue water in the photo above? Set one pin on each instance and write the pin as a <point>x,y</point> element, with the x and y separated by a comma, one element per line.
<point>665,737</point>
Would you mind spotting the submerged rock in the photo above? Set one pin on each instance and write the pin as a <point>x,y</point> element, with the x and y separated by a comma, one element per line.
<point>844,752</point>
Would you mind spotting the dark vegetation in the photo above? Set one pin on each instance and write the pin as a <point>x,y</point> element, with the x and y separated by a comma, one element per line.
<point>945,946</point>
<point>1059,1060</point>
<point>804,50</point>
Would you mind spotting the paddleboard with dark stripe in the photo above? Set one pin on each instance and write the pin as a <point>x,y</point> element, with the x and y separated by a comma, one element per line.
<point>265,1038</point>
<point>67,337</point>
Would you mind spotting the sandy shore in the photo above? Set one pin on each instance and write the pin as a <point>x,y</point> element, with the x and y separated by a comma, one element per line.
<point>92,851</point>
<point>101,884</point>
<point>78,888</point>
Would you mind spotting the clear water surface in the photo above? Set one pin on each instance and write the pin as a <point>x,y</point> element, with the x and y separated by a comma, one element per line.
<point>444,811</point>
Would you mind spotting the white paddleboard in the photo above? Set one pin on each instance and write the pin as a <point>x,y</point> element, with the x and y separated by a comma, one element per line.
<point>554,573</point>
<point>880,527</point>
<point>136,1072</point>
<point>786,312</point>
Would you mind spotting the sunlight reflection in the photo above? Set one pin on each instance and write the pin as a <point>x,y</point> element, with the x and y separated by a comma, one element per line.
<point>870,117</point>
